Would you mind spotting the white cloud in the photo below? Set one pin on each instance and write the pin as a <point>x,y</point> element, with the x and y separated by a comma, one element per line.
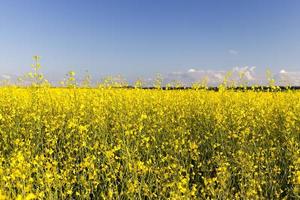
<point>282,71</point>
<point>239,75</point>
<point>233,52</point>
<point>214,77</point>
<point>285,77</point>
<point>5,76</point>
<point>191,70</point>
<point>245,72</point>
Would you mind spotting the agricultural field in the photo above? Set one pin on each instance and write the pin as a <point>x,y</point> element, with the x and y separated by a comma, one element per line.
<point>110,143</point>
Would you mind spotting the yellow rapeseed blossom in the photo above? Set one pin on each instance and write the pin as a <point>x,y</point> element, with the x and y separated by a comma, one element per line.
<point>114,143</point>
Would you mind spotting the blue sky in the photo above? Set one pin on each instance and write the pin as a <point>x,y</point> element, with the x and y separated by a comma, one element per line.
<point>144,37</point>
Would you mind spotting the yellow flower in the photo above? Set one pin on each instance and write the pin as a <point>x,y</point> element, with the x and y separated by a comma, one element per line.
<point>30,196</point>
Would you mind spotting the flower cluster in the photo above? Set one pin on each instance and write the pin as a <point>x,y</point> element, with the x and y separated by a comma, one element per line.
<point>112,143</point>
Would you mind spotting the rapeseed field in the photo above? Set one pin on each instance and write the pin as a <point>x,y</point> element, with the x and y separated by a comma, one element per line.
<point>110,143</point>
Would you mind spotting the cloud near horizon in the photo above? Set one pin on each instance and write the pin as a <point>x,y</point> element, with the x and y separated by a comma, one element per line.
<point>238,75</point>
<point>5,76</point>
<point>288,77</point>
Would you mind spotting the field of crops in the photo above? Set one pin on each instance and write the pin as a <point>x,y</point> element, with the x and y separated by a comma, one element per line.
<point>104,143</point>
